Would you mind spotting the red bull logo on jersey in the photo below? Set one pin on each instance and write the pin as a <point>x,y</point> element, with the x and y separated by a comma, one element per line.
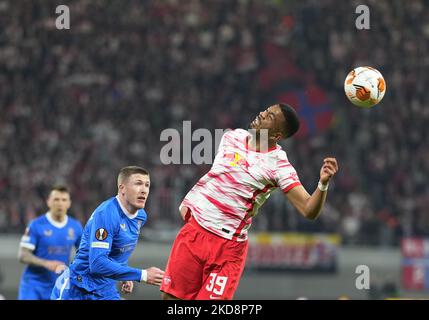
<point>167,280</point>
<point>236,159</point>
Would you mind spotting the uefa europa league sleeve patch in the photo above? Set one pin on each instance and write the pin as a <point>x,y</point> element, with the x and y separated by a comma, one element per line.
<point>101,234</point>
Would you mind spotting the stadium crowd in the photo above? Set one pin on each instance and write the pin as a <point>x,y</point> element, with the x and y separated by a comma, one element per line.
<point>76,105</point>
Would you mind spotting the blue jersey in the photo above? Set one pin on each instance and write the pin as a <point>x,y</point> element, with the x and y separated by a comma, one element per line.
<point>108,240</point>
<point>48,240</point>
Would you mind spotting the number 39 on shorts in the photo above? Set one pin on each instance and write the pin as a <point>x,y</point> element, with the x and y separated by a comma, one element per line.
<point>216,284</point>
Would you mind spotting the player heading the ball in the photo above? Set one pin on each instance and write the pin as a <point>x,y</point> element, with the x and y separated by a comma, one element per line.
<point>209,253</point>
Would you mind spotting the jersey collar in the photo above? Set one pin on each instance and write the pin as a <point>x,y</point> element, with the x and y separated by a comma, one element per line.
<point>56,223</point>
<point>249,148</point>
<point>126,212</point>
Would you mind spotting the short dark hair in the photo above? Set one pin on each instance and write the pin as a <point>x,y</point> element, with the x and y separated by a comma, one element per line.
<point>60,188</point>
<point>291,125</point>
<point>126,172</point>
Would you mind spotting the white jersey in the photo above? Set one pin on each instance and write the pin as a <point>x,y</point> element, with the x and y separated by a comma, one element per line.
<point>240,180</point>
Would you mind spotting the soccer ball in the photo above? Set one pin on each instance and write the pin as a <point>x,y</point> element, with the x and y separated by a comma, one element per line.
<point>365,87</point>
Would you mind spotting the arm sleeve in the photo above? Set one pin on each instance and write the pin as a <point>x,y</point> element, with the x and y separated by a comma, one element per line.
<point>286,176</point>
<point>30,238</point>
<point>101,237</point>
<point>79,231</point>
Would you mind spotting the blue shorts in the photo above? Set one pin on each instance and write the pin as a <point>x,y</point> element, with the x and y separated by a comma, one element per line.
<point>34,291</point>
<point>64,290</point>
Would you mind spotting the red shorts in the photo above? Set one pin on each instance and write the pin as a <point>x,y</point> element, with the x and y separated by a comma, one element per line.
<point>202,265</point>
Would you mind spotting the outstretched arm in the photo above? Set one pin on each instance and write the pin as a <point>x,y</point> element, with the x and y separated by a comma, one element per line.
<point>311,205</point>
<point>104,266</point>
<point>102,232</point>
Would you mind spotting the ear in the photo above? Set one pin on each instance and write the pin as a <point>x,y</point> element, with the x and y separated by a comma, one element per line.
<point>277,136</point>
<point>121,188</point>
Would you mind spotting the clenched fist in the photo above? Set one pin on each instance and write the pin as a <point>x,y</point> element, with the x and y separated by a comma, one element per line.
<point>127,286</point>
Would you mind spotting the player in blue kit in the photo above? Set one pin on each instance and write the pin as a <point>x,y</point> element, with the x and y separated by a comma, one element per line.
<point>46,246</point>
<point>110,236</point>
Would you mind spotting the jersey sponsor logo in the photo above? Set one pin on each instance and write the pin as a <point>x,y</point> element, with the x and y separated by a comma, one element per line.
<point>123,226</point>
<point>236,160</point>
<point>127,248</point>
<point>70,235</point>
<point>47,233</point>
<point>60,250</point>
<point>101,245</point>
<point>101,234</point>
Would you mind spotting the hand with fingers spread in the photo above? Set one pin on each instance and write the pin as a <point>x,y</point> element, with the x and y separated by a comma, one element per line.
<point>127,286</point>
<point>328,170</point>
<point>154,276</point>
